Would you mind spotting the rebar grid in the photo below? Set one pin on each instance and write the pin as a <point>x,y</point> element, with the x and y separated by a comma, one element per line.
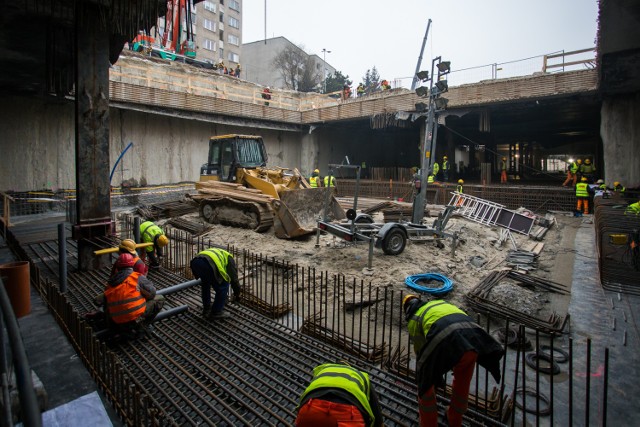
<point>618,244</point>
<point>257,344</point>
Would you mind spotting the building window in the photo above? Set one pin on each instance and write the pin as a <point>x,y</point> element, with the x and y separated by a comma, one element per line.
<point>209,25</point>
<point>234,40</point>
<point>210,6</point>
<point>233,4</point>
<point>234,22</point>
<point>221,1</point>
<point>221,35</point>
<point>209,44</point>
<point>221,53</point>
<point>233,57</point>
<point>221,16</point>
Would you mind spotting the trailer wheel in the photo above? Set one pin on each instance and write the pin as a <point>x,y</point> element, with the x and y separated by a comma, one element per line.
<point>394,242</point>
<point>208,212</point>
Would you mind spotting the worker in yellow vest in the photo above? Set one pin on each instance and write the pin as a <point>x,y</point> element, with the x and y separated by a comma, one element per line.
<point>445,338</point>
<point>217,269</point>
<point>330,181</point>
<point>446,167</point>
<point>315,180</point>
<point>339,395</point>
<point>582,194</point>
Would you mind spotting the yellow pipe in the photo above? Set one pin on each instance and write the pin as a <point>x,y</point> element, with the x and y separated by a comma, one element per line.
<point>116,249</point>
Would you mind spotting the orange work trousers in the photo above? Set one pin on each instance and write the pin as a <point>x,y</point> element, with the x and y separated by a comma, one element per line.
<point>571,178</point>
<point>583,201</point>
<point>462,374</point>
<point>317,412</point>
<point>503,177</point>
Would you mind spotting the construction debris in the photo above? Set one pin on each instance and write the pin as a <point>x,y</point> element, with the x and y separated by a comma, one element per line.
<point>480,299</point>
<point>166,209</point>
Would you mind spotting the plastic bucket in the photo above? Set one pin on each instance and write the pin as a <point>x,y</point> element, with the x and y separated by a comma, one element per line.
<point>16,279</point>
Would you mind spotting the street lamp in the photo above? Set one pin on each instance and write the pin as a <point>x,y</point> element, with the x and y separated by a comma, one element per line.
<point>435,103</point>
<point>324,67</point>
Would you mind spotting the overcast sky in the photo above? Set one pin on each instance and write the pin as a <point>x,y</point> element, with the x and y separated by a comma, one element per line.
<point>362,34</point>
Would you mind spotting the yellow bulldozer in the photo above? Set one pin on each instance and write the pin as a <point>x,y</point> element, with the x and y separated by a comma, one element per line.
<point>236,188</point>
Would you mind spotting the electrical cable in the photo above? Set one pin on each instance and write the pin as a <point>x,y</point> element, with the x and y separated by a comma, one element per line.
<point>412,282</point>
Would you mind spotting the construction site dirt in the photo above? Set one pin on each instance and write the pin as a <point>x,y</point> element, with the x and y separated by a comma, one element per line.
<point>478,253</point>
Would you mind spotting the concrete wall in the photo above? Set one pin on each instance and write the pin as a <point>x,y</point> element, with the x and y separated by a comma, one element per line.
<point>38,146</point>
<point>620,132</point>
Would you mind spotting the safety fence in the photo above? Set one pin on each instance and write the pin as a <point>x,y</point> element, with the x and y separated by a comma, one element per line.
<point>618,242</point>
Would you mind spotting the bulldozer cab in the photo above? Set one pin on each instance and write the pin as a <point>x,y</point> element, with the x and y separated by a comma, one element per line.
<point>227,153</point>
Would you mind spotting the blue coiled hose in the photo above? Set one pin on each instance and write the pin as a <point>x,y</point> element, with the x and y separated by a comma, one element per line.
<point>447,284</point>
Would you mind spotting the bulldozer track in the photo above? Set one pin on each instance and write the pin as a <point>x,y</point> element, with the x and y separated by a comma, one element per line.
<point>237,213</point>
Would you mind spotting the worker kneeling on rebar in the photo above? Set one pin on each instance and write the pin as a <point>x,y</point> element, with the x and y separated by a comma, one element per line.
<point>151,233</point>
<point>339,395</point>
<point>445,338</point>
<point>129,300</point>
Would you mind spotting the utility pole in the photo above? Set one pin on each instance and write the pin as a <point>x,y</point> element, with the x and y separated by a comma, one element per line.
<point>428,147</point>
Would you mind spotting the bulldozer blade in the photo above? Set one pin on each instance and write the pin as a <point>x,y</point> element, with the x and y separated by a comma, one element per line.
<point>298,211</point>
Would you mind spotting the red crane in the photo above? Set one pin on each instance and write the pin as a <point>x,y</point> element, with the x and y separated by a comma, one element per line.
<point>177,11</point>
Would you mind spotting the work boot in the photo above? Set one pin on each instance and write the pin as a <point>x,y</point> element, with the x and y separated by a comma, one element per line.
<point>219,315</point>
<point>206,311</point>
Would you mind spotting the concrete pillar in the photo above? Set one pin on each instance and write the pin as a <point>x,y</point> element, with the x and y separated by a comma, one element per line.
<point>92,132</point>
<point>620,133</point>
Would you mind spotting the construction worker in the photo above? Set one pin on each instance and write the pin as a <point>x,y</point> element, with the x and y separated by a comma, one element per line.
<point>460,189</point>
<point>315,180</point>
<point>346,92</point>
<point>128,300</point>
<point>446,166</point>
<point>217,269</point>
<point>330,181</point>
<point>582,194</point>
<point>618,188</point>
<point>385,85</point>
<point>151,233</point>
<point>572,173</point>
<point>503,171</point>
<point>128,247</point>
<point>601,185</point>
<point>360,90</point>
<point>339,395</point>
<point>238,70</point>
<point>266,95</point>
<point>587,170</point>
<point>633,208</point>
<point>435,170</point>
<point>445,338</point>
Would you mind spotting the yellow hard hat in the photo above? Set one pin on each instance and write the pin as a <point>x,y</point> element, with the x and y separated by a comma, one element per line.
<point>504,158</point>
<point>587,161</point>
<point>579,161</point>
<point>583,179</point>
<point>316,171</point>
<point>163,240</point>
<point>615,184</point>
<point>445,157</point>
<point>407,299</point>
<point>460,181</point>
<point>128,245</point>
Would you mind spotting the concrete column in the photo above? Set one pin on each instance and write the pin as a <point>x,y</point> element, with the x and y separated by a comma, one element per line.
<point>620,133</point>
<point>92,132</point>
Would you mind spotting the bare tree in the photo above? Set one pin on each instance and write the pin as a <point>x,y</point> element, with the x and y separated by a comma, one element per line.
<point>297,69</point>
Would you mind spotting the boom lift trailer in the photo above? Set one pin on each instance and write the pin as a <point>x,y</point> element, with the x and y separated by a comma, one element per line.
<point>391,237</point>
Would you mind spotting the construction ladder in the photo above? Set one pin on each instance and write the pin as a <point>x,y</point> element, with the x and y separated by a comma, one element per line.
<point>489,213</point>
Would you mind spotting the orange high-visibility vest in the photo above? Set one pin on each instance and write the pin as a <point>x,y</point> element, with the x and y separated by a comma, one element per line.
<point>125,302</point>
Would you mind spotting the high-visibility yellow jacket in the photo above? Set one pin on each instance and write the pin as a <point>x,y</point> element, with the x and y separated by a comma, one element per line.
<point>582,189</point>
<point>343,377</point>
